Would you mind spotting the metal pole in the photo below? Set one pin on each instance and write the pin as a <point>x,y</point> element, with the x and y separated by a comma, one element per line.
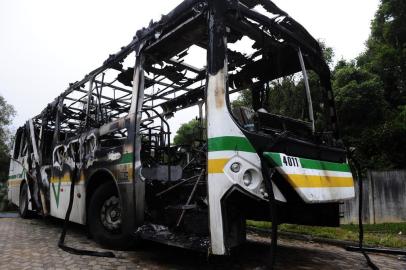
<point>89,95</point>
<point>308,94</point>
<point>190,198</point>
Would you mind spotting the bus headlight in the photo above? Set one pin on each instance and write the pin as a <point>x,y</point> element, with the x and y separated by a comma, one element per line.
<point>235,167</point>
<point>247,178</point>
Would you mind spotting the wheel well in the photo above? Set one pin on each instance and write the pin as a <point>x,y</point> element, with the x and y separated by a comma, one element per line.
<point>22,184</point>
<point>96,180</point>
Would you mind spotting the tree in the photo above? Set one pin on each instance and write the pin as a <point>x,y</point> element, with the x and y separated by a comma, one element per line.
<point>359,98</point>
<point>392,140</point>
<point>188,133</point>
<point>386,50</point>
<point>375,100</point>
<point>361,109</point>
<point>6,114</point>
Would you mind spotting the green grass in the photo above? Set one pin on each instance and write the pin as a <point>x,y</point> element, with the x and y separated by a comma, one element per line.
<point>383,235</point>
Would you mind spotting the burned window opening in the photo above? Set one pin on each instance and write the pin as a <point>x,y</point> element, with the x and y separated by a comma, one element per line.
<point>174,90</point>
<point>272,58</point>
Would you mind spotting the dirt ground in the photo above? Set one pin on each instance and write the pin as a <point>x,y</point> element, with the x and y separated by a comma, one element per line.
<point>31,244</point>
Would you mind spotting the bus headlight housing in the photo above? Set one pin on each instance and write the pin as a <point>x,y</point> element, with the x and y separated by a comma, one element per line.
<point>236,167</point>
<point>247,178</point>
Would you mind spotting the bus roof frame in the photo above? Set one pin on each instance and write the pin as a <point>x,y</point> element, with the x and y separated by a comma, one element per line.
<point>280,24</point>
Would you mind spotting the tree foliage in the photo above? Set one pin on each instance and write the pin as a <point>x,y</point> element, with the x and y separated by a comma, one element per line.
<point>359,98</point>
<point>188,133</point>
<point>6,114</point>
<point>371,92</point>
<point>386,50</point>
<point>362,109</point>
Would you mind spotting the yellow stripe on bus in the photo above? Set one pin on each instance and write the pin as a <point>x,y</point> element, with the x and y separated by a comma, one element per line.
<point>66,178</point>
<point>316,181</point>
<point>14,182</point>
<point>217,165</point>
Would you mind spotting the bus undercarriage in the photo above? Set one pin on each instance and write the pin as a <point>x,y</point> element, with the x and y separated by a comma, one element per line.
<point>112,134</point>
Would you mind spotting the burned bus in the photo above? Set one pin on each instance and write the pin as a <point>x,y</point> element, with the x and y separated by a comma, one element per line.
<point>112,133</point>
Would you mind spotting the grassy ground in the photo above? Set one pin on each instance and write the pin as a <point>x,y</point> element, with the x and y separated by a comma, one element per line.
<point>383,235</point>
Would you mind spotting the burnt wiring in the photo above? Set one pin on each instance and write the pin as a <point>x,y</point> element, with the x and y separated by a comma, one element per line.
<point>61,243</point>
<point>357,169</point>
<point>267,174</point>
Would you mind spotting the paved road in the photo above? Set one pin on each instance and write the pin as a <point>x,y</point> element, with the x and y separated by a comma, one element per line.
<point>31,244</point>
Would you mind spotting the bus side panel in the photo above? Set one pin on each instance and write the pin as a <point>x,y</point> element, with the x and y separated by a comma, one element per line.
<point>16,176</point>
<point>60,195</point>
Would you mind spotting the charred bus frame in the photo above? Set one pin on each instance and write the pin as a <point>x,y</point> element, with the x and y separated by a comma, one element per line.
<point>112,137</point>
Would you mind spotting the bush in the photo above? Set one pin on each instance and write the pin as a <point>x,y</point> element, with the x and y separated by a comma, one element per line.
<point>3,197</point>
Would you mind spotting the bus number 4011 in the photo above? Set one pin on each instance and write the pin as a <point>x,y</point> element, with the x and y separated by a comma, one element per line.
<point>290,161</point>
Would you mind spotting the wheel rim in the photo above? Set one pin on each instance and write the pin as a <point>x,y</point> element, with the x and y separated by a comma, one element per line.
<point>110,214</point>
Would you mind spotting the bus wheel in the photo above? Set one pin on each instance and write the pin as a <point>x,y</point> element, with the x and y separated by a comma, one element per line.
<point>23,202</point>
<point>104,218</point>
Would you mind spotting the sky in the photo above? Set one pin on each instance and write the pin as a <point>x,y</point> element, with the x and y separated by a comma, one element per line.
<point>47,44</point>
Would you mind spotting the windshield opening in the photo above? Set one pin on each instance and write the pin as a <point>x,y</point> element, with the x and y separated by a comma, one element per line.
<point>272,85</point>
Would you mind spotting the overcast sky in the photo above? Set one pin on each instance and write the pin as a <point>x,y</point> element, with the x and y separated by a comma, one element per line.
<point>46,44</point>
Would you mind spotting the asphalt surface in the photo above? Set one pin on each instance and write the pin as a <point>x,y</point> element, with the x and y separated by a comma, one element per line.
<point>32,244</point>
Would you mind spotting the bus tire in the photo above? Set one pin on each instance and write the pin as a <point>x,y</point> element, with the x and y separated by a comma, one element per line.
<point>23,202</point>
<point>102,218</point>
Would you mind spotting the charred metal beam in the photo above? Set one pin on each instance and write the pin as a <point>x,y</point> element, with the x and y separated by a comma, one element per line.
<point>187,8</point>
<point>167,40</point>
<point>113,86</point>
<point>248,28</point>
<point>200,77</point>
<point>108,98</point>
<point>217,46</point>
<point>184,101</point>
<point>185,66</point>
<point>295,37</point>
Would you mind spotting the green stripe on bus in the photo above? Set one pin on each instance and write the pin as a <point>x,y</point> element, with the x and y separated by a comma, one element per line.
<point>275,157</point>
<point>127,158</point>
<point>324,165</point>
<point>16,176</point>
<point>57,192</point>
<point>230,143</point>
<point>311,164</point>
